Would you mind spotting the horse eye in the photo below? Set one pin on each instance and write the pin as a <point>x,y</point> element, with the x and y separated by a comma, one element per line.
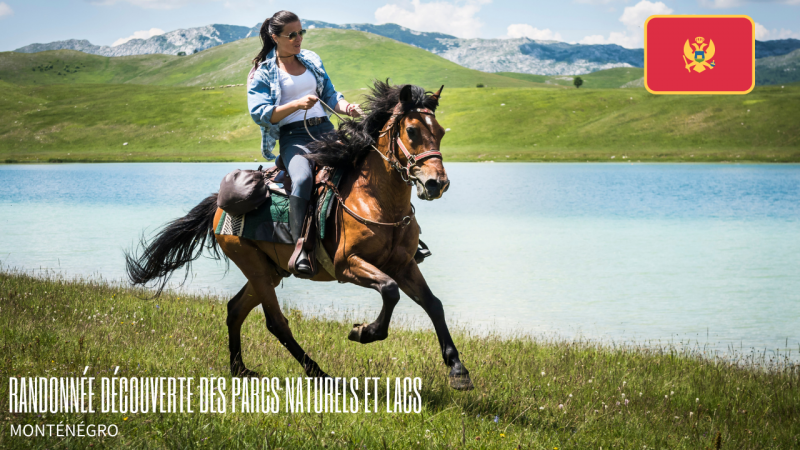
<point>411,131</point>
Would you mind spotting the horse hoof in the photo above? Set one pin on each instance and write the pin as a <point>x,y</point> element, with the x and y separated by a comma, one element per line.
<point>461,383</point>
<point>355,333</point>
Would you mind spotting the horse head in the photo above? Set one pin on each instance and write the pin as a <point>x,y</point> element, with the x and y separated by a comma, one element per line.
<point>419,137</point>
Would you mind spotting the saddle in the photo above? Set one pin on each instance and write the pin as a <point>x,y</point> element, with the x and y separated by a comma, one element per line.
<point>279,182</point>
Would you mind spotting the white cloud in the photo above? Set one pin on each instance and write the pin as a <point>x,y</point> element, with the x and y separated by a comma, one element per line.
<point>763,34</point>
<point>622,39</point>
<point>524,30</point>
<point>144,34</point>
<point>458,17</point>
<point>5,10</point>
<point>634,16</point>
<point>152,4</point>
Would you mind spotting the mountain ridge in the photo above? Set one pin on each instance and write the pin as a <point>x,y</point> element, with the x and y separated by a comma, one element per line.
<point>520,55</point>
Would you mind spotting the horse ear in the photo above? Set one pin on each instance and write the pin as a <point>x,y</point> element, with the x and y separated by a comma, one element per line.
<point>438,93</point>
<point>406,94</point>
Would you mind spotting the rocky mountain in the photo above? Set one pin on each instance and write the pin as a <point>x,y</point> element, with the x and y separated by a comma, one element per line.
<point>189,40</point>
<point>489,55</point>
<point>507,55</point>
<point>524,55</point>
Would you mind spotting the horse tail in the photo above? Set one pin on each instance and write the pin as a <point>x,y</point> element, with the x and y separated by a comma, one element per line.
<point>176,245</point>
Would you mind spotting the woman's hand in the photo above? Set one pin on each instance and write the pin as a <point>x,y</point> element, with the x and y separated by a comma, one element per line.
<point>306,102</point>
<point>354,110</point>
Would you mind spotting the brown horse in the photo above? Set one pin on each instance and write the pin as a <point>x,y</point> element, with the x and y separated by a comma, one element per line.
<point>394,147</point>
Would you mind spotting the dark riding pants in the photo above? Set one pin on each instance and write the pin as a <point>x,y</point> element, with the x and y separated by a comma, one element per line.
<point>292,147</point>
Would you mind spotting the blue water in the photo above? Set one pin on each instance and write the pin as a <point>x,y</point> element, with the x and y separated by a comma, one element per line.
<point>617,252</point>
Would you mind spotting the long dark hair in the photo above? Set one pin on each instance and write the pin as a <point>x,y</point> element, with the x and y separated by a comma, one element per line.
<point>273,25</point>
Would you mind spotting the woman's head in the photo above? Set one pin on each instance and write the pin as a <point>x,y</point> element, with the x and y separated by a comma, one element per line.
<point>274,32</point>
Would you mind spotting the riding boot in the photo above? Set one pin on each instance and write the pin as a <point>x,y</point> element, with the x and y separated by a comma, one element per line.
<point>297,212</point>
<point>422,252</point>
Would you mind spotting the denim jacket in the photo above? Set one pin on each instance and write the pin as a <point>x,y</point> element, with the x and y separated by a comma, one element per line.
<point>264,94</point>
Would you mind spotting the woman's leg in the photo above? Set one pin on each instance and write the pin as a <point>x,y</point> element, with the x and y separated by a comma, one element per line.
<point>292,151</point>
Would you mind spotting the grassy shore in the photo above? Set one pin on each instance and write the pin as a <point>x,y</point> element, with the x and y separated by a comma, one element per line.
<point>529,393</point>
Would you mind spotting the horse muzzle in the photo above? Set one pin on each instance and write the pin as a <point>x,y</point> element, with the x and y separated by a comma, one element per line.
<point>431,188</point>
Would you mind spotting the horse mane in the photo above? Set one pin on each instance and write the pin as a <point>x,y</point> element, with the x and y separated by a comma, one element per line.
<point>350,143</point>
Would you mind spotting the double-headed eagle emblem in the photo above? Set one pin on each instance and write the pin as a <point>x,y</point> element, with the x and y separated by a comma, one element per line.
<point>699,58</point>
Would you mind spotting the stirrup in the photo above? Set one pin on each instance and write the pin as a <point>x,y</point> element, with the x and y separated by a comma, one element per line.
<point>303,265</point>
<point>422,252</point>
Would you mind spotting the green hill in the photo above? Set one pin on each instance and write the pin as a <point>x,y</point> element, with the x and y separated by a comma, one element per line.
<point>602,79</point>
<point>167,123</point>
<point>155,104</point>
<point>352,57</point>
<point>783,69</point>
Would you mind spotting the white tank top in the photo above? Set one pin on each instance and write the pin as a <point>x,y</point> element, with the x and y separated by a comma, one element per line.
<point>294,88</point>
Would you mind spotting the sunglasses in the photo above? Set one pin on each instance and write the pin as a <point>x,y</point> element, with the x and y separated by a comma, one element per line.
<point>293,35</point>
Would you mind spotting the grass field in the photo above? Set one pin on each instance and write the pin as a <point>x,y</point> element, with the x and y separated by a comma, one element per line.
<point>529,393</point>
<point>70,106</point>
<point>603,79</point>
<point>171,123</point>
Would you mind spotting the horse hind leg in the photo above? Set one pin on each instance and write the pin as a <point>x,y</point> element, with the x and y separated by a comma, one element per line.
<point>238,309</point>
<point>260,289</point>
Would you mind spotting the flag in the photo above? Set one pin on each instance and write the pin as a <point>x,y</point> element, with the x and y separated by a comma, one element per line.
<point>699,54</point>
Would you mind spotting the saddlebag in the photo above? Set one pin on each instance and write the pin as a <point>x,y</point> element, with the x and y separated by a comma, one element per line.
<point>242,191</point>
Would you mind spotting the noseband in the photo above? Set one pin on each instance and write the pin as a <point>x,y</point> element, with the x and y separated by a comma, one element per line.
<point>412,160</point>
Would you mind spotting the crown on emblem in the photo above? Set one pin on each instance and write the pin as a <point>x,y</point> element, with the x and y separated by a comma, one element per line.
<point>699,40</point>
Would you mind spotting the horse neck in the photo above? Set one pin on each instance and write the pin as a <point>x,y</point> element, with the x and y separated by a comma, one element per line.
<point>379,180</point>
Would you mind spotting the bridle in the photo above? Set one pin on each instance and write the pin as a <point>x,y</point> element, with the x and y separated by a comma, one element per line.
<point>412,159</point>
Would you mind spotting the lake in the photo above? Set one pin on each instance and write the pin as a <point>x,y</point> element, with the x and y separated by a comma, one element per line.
<point>612,252</point>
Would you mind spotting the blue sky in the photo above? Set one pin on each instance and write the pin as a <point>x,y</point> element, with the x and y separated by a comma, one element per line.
<point>105,22</point>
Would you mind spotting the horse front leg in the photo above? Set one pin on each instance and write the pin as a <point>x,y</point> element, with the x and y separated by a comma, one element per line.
<point>414,285</point>
<point>362,273</point>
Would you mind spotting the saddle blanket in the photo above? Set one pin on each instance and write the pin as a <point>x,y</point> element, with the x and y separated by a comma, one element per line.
<point>270,221</point>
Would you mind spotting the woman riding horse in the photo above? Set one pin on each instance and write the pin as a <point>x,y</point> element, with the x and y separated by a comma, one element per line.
<point>284,88</point>
<point>372,231</point>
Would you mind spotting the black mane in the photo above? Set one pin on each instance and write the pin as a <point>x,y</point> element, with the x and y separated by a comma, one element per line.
<point>350,143</point>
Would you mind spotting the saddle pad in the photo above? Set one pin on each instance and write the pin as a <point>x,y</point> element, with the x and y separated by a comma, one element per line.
<point>270,221</point>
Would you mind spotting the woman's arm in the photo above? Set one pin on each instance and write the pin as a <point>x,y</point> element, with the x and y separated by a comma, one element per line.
<point>352,110</point>
<point>283,111</point>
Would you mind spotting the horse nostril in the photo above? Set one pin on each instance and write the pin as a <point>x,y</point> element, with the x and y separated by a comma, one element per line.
<point>432,185</point>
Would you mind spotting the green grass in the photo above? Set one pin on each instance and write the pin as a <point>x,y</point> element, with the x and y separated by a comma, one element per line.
<point>168,123</point>
<point>602,79</point>
<point>628,124</point>
<point>92,122</point>
<point>353,58</point>
<point>676,399</point>
<point>156,105</point>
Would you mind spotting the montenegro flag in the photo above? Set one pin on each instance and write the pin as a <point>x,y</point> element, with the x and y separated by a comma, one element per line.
<point>699,54</point>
